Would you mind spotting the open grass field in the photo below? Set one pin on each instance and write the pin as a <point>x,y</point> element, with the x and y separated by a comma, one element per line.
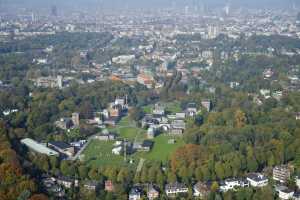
<point>172,107</point>
<point>98,153</point>
<point>148,109</point>
<point>161,150</point>
<point>127,129</point>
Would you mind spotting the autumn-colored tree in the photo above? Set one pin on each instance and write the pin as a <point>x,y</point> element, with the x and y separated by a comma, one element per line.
<point>186,155</point>
<point>240,119</point>
<point>214,187</point>
<point>39,197</point>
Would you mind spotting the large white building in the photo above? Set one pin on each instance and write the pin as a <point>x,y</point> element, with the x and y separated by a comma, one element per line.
<point>281,173</point>
<point>124,59</point>
<point>175,189</point>
<point>286,194</point>
<point>39,148</point>
<point>257,180</point>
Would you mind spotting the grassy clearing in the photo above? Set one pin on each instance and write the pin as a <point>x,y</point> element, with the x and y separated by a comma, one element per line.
<point>148,109</point>
<point>161,150</point>
<point>99,153</point>
<point>127,129</point>
<point>172,107</point>
<point>131,133</point>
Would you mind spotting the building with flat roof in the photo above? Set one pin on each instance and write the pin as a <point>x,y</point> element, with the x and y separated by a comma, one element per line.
<point>62,147</point>
<point>281,173</point>
<point>39,148</point>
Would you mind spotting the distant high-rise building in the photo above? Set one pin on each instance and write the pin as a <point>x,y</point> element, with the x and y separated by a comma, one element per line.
<point>32,17</point>
<point>213,32</point>
<point>227,9</point>
<point>54,11</point>
<point>60,82</point>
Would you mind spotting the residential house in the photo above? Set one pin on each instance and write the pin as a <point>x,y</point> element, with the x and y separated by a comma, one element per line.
<point>257,180</point>
<point>281,173</point>
<point>177,128</point>
<point>232,183</point>
<point>178,124</point>
<point>191,110</point>
<point>109,186</point>
<point>64,123</point>
<point>103,137</point>
<point>78,144</point>
<point>176,132</point>
<point>49,183</point>
<point>91,185</point>
<point>297,180</point>
<point>149,120</point>
<point>65,181</point>
<point>135,193</point>
<point>265,93</point>
<point>201,190</point>
<point>234,85</point>
<point>159,109</point>
<point>180,115</point>
<point>286,194</point>
<point>152,192</point>
<point>296,195</point>
<point>62,148</point>
<point>146,145</point>
<point>49,82</point>
<point>176,188</point>
<point>268,73</point>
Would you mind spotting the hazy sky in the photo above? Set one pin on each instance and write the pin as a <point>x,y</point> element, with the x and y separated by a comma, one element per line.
<point>147,3</point>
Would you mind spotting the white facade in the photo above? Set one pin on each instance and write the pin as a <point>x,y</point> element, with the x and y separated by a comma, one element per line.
<point>176,188</point>
<point>257,180</point>
<point>286,194</point>
<point>123,59</point>
<point>297,180</point>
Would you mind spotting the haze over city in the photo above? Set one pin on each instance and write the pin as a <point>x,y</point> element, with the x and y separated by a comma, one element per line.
<point>127,4</point>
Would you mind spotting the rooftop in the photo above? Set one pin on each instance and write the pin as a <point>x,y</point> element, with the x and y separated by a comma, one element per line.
<point>38,147</point>
<point>59,144</point>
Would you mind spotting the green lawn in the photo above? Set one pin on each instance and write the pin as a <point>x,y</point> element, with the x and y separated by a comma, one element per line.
<point>126,121</point>
<point>172,107</point>
<point>161,150</point>
<point>131,133</point>
<point>127,129</point>
<point>99,153</point>
<point>148,109</point>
